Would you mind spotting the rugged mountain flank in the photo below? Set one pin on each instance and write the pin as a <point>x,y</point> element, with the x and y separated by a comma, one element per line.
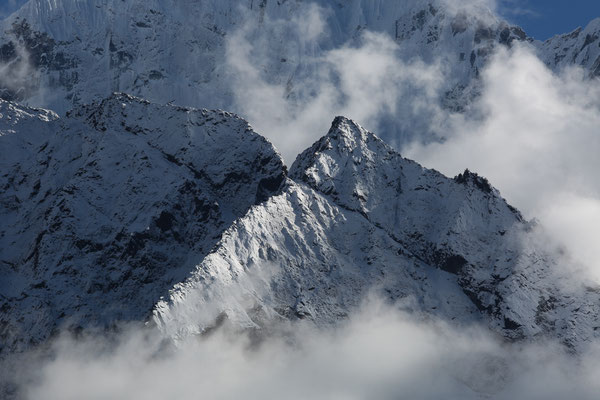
<point>106,209</point>
<point>103,211</point>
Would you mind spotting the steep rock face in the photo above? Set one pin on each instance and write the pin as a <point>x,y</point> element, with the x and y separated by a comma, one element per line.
<point>105,209</point>
<point>176,50</point>
<point>359,217</point>
<point>419,206</point>
<point>462,226</point>
<point>461,39</point>
<point>300,256</point>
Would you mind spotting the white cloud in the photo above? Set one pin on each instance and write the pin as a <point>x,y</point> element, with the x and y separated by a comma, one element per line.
<point>532,133</point>
<point>474,7</point>
<point>517,8</point>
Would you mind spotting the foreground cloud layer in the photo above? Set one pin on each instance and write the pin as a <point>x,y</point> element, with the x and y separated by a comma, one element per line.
<point>379,353</point>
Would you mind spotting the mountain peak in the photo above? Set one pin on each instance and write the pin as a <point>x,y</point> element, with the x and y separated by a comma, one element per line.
<point>349,135</point>
<point>357,215</point>
<point>473,178</point>
<point>360,172</point>
<point>346,140</point>
<point>345,126</point>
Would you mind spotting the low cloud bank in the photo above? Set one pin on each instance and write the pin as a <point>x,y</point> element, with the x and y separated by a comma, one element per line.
<point>379,353</point>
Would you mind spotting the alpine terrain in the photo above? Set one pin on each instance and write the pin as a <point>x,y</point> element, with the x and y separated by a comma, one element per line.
<point>129,196</point>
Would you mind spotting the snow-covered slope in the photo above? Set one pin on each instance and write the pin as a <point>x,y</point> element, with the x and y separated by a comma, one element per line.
<point>104,210</point>
<point>127,210</point>
<point>176,50</point>
<point>359,217</point>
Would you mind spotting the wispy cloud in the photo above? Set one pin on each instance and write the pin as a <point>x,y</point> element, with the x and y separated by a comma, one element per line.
<point>517,8</point>
<point>365,79</point>
<point>538,142</point>
<point>18,75</point>
<point>531,132</point>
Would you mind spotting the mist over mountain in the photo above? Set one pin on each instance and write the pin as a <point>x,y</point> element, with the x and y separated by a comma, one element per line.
<point>144,234</point>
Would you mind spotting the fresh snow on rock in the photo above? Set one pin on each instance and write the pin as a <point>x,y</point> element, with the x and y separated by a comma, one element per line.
<point>121,201</point>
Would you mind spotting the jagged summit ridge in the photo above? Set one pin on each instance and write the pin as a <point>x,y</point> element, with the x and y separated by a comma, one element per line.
<point>350,162</point>
<point>580,47</point>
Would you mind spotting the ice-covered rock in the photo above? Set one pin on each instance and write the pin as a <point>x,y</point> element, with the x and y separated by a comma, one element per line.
<point>580,47</point>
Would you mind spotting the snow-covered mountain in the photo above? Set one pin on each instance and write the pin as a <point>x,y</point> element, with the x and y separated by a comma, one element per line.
<point>123,209</point>
<point>267,58</point>
<point>354,217</point>
<point>103,211</point>
<point>81,51</point>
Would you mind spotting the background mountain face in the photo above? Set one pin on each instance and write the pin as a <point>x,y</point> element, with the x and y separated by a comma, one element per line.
<point>186,51</point>
<point>580,47</point>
